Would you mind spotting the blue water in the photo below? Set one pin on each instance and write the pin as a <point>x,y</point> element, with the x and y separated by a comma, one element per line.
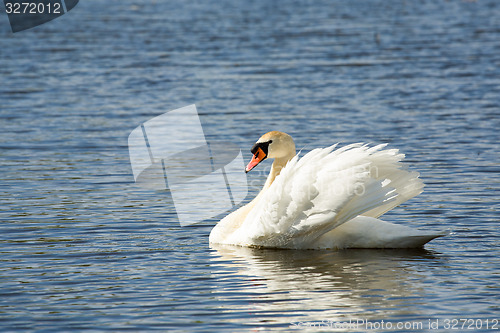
<point>83,248</point>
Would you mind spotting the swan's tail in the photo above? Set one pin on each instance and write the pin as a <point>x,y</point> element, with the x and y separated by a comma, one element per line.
<point>369,232</point>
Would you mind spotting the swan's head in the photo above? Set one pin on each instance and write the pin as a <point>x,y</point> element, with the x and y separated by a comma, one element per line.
<point>273,144</point>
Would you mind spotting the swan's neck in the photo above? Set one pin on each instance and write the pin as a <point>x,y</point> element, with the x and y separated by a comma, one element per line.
<point>228,225</point>
<point>278,165</point>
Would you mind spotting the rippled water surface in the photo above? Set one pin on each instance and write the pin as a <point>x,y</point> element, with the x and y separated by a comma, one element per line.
<point>83,248</point>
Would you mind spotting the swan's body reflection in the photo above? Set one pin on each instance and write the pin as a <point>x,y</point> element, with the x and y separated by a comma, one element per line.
<point>325,285</point>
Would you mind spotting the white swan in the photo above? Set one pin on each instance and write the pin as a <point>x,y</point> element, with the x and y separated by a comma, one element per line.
<point>328,199</point>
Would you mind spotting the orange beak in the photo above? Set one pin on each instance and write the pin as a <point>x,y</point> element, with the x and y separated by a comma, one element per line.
<point>256,159</point>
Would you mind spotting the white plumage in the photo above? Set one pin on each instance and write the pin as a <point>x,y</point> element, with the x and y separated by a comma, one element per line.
<point>327,199</point>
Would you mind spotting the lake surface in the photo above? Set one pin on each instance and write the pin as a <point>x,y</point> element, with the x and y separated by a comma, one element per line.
<point>84,248</point>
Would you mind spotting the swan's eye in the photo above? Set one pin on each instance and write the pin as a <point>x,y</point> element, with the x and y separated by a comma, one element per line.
<point>262,145</point>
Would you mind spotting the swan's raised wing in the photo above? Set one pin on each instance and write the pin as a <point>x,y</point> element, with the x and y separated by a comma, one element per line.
<point>323,190</point>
